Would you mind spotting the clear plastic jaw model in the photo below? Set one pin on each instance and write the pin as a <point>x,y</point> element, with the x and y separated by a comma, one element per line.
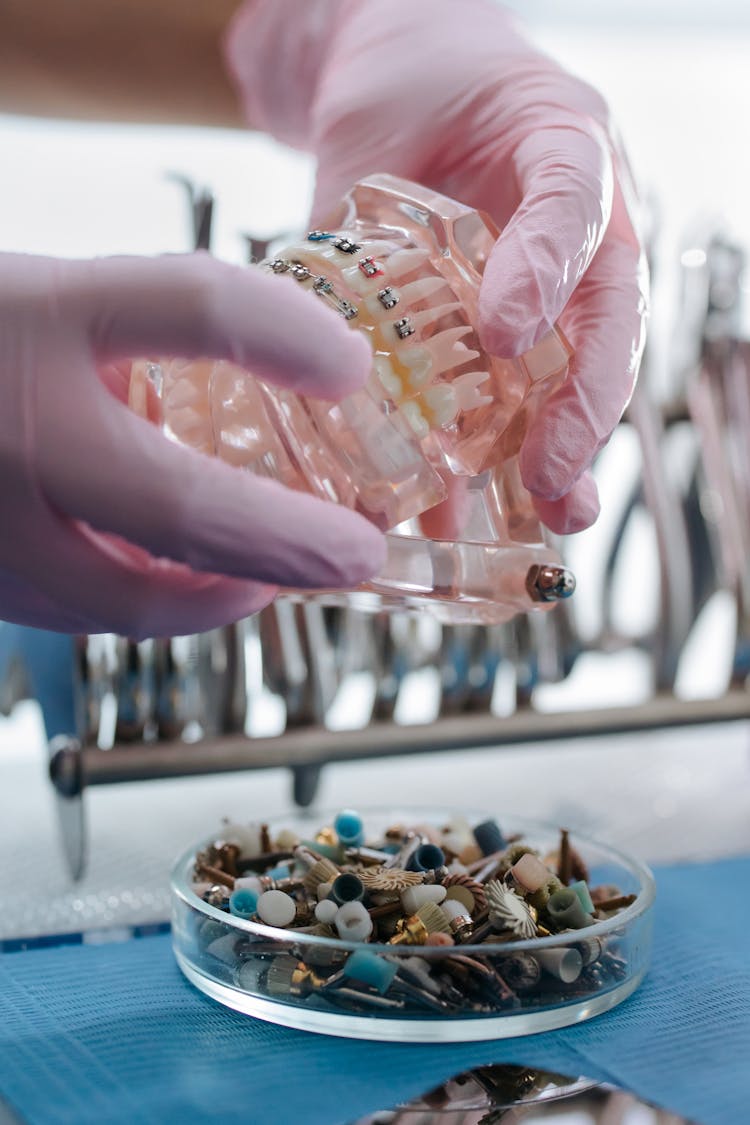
<point>436,429</point>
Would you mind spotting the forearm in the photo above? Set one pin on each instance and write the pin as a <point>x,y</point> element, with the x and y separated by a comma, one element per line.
<point>127,60</point>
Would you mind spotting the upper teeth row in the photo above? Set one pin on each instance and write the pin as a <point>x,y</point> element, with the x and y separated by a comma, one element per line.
<point>386,298</point>
<point>321,285</point>
<point>422,405</point>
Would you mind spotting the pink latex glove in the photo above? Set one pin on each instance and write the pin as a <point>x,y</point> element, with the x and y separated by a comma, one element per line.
<point>451,95</point>
<point>105,524</point>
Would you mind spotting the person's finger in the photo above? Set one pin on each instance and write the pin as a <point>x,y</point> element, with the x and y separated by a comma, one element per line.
<point>23,604</point>
<point>112,587</point>
<point>566,179</point>
<point>605,323</point>
<point>192,305</point>
<point>126,478</point>
<point>574,511</point>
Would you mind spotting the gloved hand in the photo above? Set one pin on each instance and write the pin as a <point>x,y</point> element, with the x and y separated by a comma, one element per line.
<point>105,524</point>
<point>451,95</point>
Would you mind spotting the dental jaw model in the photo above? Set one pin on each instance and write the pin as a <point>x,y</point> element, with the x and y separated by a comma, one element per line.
<point>428,448</point>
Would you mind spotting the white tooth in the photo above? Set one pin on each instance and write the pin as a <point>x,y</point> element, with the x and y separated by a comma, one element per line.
<point>374,307</point>
<point>311,252</point>
<point>421,289</point>
<point>360,284</point>
<point>313,255</point>
<point>467,388</point>
<point>357,273</point>
<point>183,392</point>
<point>233,408</point>
<point>442,403</point>
<point>187,427</point>
<point>419,362</point>
<point>416,419</point>
<point>448,351</point>
<point>405,261</point>
<point>177,368</point>
<point>377,309</point>
<point>187,421</point>
<point>241,445</point>
<point>421,319</point>
<point>389,380</point>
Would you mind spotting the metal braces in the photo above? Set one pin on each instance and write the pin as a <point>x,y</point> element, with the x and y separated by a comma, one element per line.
<point>403,327</point>
<point>321,285</point>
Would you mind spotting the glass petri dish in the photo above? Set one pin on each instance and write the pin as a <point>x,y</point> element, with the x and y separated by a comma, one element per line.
<point>465,992</point>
